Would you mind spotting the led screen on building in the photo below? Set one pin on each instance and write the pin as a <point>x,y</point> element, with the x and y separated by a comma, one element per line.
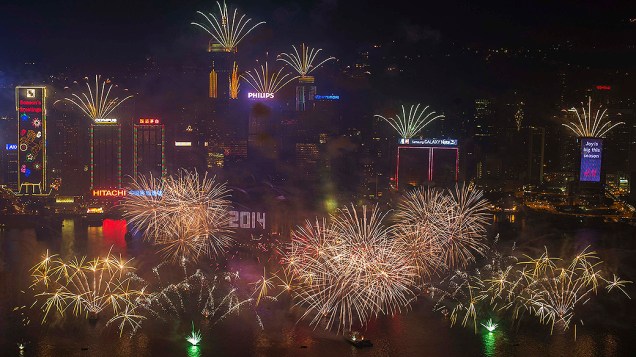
<point>591,155</point>
<point>31,111</point>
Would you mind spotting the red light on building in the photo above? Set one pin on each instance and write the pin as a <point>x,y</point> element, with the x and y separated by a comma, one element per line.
<point>604,87</point>
<point>116,192</point>
<point>149,121</point>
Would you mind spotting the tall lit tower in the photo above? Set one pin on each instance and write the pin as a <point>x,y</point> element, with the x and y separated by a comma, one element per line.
<point>227,29</point>
<point>30,103</point>
<point>105,164</point>
<point>149,158</point>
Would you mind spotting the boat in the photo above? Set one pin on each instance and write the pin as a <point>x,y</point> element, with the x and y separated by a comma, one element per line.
<point>357,339</point>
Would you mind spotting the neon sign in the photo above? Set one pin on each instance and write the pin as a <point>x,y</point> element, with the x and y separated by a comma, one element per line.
<point>64,199</point>
<point>146,193</point>
<point>603,87</point>
<point>11,147</point>
<point>105,121</point>
<point>425,142</point>
<point>183,143</point>
<point>258,95</point>
<point>116,192</point>
<point>326,97</point>
<point>149,121</point>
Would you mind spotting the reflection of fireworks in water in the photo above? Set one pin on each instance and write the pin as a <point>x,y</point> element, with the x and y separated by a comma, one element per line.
<point>196,295</point>
<point>88,287</point>
<point>442,229</point>
<point>189,218</point>
<point>349,270</point>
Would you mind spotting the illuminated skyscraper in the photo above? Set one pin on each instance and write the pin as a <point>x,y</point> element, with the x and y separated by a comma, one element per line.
<point>305,93</point>
<point>105,161</point>
<point>149,138</point>
<point>30,103</point>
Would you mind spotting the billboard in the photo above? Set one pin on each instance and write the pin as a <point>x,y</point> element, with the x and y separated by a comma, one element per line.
<point>31,111</point>
<point>591,155</point>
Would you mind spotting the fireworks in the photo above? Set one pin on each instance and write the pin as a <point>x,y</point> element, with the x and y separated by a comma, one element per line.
<point>589,124</point>
<point>189,219</point>
<point>197,295</point>
<point>408,125</point>
<point>265,82</point>
<point>85,286</point>
<point>490,326</point>
<point>442,229</point>
<point>195,336</point>
<point>96,103</point>
<point>303,62</point>
<point>349,270</point>
<point>547,288</point>
<point>225,30</point>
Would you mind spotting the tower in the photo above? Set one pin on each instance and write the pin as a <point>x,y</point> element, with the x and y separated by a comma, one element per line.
<point>105,157</point>
<point>149,140</point>
<point>30,105</point>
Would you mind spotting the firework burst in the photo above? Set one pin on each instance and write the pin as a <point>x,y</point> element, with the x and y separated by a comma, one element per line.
<point>349,270</point>
<point>96,103</point>
<point>409,124</point>
<point>227,30</point>
<point>189,219</point>
<point>265,82</point>
<point>87,287</point>
<point>590,124</point>
<point>442,229</point>
<point>303,62</point>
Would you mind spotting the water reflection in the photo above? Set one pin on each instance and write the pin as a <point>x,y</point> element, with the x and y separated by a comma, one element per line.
<point>417,332</point>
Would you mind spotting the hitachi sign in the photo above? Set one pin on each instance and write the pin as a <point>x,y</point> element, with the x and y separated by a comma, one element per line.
<point>117,192</point>
<point>259,95</point>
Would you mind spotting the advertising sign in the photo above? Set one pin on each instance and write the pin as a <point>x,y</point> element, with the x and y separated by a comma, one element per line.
<point>591,155</point>
<point>31,111</point>
<point>427,142</point>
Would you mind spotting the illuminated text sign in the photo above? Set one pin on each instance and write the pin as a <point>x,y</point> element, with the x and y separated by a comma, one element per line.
<point>258,95</point>
<point>106,121</point>
<point>245,220</point>
<point>149,121</point>
<point>326,97</point>
<point>182,143</point>
<point>147,193</point>
<point>591,155</point>
<point>428,142</point>
<point>604,87</point>
<point>116,192</point>
<point>11,147</point>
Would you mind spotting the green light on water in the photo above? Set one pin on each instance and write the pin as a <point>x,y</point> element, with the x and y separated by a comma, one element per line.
<point>489,343</point>
<point>194,351</point>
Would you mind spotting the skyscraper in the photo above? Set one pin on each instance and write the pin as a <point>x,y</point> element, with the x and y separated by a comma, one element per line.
<point>149,138</point>
<point>105,160</point>
<point>30,103</point>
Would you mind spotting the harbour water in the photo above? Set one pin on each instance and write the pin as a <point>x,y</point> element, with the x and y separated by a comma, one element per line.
<point>609,320</point>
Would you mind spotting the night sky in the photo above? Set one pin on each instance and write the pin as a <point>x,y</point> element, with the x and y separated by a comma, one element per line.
<point>115,33</point>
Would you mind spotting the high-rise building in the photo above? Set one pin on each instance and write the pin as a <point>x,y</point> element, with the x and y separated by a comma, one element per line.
<point>536,153</point>
<point>10,166</point>
<point>30,103</point>
<point>149,150</point>
<point>105,158</point>
<point>305,93</point>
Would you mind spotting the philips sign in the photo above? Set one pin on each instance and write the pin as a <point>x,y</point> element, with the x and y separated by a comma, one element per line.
<point>259,95</point>
<point>427,142</point>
